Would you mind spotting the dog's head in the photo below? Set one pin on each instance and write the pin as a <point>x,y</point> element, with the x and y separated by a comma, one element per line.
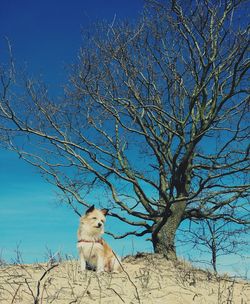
<point>94,220</point>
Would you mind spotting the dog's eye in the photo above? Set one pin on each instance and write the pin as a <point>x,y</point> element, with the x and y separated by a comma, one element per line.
<point>94,218</point>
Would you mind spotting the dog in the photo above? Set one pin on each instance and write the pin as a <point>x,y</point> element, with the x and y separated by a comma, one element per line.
<point>91,247</point>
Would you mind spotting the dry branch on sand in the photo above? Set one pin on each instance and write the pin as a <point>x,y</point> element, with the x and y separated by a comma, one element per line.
<point>146,279</point>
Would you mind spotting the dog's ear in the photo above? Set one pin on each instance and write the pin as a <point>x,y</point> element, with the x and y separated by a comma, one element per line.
<point>105,211</point>
<point>90,209</point>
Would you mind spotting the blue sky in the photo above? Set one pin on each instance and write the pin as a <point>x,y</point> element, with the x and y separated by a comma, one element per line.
<point>46,36</point>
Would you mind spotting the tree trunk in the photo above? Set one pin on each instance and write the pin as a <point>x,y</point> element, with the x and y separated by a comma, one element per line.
<point>164,239</point>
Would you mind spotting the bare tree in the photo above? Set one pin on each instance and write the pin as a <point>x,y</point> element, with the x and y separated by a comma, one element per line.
<point>216,238</point>
<point>154,117</point>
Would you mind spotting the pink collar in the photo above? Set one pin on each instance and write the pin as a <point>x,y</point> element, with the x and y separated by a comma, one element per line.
<point>100,241</point>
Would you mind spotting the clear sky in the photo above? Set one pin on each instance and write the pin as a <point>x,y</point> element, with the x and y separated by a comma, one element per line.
<point>46,36</point>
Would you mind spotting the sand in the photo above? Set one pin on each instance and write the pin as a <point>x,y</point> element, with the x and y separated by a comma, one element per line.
<point>146,279</point>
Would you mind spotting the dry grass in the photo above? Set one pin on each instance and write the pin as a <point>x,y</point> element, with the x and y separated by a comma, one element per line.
<point>146,279</point>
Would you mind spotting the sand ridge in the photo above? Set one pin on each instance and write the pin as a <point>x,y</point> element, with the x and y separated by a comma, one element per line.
<point>146,279</point>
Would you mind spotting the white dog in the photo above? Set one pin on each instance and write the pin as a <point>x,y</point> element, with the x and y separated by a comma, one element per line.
<point>92,248</point>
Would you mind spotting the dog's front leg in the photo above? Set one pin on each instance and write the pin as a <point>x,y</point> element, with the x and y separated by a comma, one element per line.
<point>100,264</point>
<point>82,261</point>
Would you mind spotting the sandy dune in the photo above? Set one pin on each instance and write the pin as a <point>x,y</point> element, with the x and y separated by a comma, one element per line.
<point>146,279</point>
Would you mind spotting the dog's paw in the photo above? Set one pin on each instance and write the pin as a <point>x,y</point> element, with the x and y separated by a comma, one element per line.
<point>82,271</point>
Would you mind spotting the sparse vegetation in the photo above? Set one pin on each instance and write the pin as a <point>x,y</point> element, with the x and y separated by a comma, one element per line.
<point>147,278</point>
